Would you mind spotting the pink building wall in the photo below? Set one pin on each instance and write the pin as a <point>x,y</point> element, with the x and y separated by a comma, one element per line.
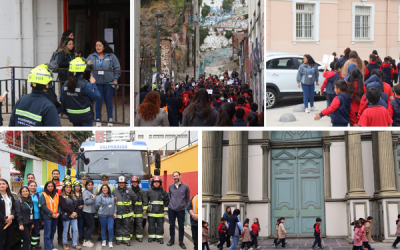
<point>335,29</point>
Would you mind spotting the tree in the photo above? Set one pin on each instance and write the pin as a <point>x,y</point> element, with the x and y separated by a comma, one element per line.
<point>228,34</point>
<point>203,34</point>
<point>227,5</point>
<point>205,10</point>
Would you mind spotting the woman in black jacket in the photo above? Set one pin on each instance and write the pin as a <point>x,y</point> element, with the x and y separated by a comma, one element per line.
<point>7,214</point>
<point>24,212</point>
<point>65,56</point>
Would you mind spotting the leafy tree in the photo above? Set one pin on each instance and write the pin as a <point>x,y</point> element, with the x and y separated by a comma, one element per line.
<point>227,5</point>
<point>205,10</point>
<point>228,34</point>
<point>203,34</point>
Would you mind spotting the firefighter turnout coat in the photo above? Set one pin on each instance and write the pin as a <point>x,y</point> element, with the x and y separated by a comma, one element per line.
<point>124,199</point>
<point>158,204</point>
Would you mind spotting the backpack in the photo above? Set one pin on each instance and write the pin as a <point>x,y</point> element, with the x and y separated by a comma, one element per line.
<point>54,61</point>
<point>218,106</point>
<point>185,100</point>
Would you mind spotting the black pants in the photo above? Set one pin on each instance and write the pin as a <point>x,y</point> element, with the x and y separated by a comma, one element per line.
<point>246,244</point>
<point>6,236</point>
<point>195,237</point>
<point>138,223</point>
<point>317,241</point>
<point>254,241</point>
<point>280,241</point>
<point>156,227</point>
<point>275,240</point>
<point>89,218</point>
<point>367,245</point>
<point>396,241</point>
<point>123,229</point>
<point>172,216</point>
<point>60,229</point>
<point>26,237</point>
<point>205,245</point>
<point>228,241</point>
<point>357,248</point>
<point>221,241</point>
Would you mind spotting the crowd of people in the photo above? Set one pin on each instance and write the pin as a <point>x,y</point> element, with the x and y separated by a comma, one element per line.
<point>211,101</point>
<point>69,209</point>
<point>41,107</point>
<point>359,93</point>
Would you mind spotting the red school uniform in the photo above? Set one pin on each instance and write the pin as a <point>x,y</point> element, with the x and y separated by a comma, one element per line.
<point>255,229</point>
<point>364,106</point>
<point>355,106</point>
<point>327,75</point>
<point>375,116</point>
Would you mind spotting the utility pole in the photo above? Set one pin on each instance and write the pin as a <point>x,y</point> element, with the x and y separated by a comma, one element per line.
<point>135,53</point>
<point>196,10</point>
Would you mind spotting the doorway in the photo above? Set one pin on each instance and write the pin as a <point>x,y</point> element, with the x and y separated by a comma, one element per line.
<point>297,190</point>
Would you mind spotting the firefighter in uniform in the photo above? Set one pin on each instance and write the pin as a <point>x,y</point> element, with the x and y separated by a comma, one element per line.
<point>139,209</point>
<point>157,208</point>
<point>35,109</point>
<point>78,95</point>
<point>124,199</point>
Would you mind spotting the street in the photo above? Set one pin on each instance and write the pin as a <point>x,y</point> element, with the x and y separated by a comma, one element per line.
<point>134,244</point>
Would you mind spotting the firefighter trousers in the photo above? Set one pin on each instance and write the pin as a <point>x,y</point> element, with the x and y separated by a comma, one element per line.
<point>156,226</point>
<point>122,229</point>
<point>138,226</point>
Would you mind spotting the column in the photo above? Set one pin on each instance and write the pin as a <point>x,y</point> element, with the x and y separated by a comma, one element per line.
<point>355,177</point>
<point>208,156</point>
<point>245,163</point>
<point>375,158</point>
<point>387,174</point>
<point>235,161</point>
<point>266,147</point>
<point>327,159</point>
<point>217,162</point>
<point>395,163</point>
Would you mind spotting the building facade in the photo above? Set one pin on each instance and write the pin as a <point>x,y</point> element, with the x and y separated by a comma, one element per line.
<point>321,27</point>
<point>302,175</point>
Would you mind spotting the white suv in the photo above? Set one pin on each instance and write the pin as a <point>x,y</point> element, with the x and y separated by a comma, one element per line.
<point>281,76</point>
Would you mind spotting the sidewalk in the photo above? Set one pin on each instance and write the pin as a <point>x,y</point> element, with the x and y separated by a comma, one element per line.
<point>302,119</point>
<point>306,243</point>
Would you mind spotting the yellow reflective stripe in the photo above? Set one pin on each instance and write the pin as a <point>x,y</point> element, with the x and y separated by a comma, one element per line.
<point>125,238</point>
<point>29,115</point>
<point>157,202</point>
<point>160,236</point>
<point>139,236</point>
<point>138,215</point>
<point>124,203</point>
<point>156,215</point>
<point>127,215</point>
<point>165,208</point>
<point>118,238</point>
<point>118,216</point>
<point>138,203</point>
<point>144,207</point>
<point>152,235</point>
<point>78,111</point>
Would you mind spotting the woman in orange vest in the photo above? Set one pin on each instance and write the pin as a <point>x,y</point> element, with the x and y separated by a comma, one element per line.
<point>49,201</point>
<point>193,210</point>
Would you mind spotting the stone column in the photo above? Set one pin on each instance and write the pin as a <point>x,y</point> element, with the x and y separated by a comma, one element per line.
<point>355,177</point>
<point>235,162</point>
<point>327,156</point>
<point>217,162</point>
<point>245,163</point>
<point>388,176</point>
<point>265,179</point>
<point>395,163</point>
<point>209,154</point>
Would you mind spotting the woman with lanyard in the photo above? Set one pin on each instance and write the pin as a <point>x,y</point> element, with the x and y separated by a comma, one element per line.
<point>65,55</point>
<point>307,76</point>
<point>88,212</point>
<point>50,202</point>
<point>77,187</point>
<point>104,59</point>
<point>107,211</point>
<point>69,207</point>
<point>227,215</point>
<point>7,214</point>
<point>35,197</point>
<point>24,210</point>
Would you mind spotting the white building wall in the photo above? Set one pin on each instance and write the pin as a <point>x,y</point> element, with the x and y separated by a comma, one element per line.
<point>5,165</point>
<point>225,155</point>
<point>261,211</point>
<point>255,135</point>
<point>338,170</point>
<point>255,173</point>
<point>155,144</point>
<point>390,209</point>
<point>336,219</point>
<point>37,171</point>
<point>336,133</point>
<point>368,168</point>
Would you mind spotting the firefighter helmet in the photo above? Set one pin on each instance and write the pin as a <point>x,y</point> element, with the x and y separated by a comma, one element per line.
<point>156,178</point>
<point>136,179</point>
<point>40,75</point>
<point>122,178</point>
<point>67,183</point>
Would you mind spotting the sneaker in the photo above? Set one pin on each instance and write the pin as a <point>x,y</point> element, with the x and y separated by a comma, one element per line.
<point>258,247</point>
<point>394,247</point>
<point>87,244</point>
<point>313,109</point>
<point>77,247</point>
<point>307,110</point>
<point>66,246</point>
<point>104,243</point>
<point>110,122</point>
<point>251,248</point>
<point>110,245</point>
<point>98,123</point>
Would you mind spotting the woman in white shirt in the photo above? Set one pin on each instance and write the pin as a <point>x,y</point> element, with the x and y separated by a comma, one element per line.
<point>7,214</point>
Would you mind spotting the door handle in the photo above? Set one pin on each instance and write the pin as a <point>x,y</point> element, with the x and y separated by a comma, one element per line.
<point>275,74</point>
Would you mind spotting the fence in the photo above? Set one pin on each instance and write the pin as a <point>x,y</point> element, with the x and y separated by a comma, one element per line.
<point>18,87</point>
<point>16,186</point>
<point>213,58</point>
<point>184,140</point>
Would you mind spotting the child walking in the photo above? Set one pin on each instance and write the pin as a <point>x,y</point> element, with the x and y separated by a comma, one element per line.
<point>205,235</point>
<point>375,115</point>
<point>255,229</point>
<point>246,236</point>
<point>364,238</point>
<point>330,78</point>
<point>281,233</point>
<point>222,229</point>
<point>317,233</point>
<point>397,233</point>
<point>276,231</point>
<point>357,238</point>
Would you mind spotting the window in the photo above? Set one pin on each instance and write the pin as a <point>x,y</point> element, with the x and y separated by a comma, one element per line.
<point>150,136</point>
<point>281,63</point>
<point>362,22</point>
<point>304,21</point>
<point>140,136</point>
<point>158,136</point>
<point>169,136</point>
<point>182,136</point>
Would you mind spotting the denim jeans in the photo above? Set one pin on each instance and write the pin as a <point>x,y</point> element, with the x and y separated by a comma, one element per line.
<point>89,218</point>
<point>106,93</point>
<point>235,242</point>
<point>280,241</point>
<point>80,227</point>
<point>308,94</point>
<point>172,216</point>
<point>317,241</point>
<point>74,229</point>
<point>255,240</point>
<point>50,227</point>
<point>107,223</point>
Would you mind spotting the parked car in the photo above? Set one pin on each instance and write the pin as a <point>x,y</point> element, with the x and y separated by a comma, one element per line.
<point>281,76</point>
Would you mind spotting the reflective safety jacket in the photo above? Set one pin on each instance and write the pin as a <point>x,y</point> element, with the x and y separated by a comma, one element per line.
<point>124,199</point>
<point>159,200</point>
<point>141,202</point>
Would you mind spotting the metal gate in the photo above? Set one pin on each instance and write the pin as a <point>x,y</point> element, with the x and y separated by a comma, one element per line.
<point>377,232</point>
<point>213,223</point>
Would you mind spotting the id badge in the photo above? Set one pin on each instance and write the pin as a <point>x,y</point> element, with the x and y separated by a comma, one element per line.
<point>309,76</point>
<point>109,205</point>
<point>100,72</point>
<point>31,217</point>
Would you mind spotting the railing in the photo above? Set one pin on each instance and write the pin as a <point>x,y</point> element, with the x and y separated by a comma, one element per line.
<point>225,19</point>
<point>186,139</point>
<point>213,58</point>
<point>18,87</point>
<point>16,186</point>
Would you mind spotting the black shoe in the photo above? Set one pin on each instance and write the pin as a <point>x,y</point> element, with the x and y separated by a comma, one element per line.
<point>170,243</point>
<point>140,240</point>
<point>81,240</point>
<point>150,240</point>
<point>394,247</point>
<point>161,241</point>
<point>118,242</point>
<point>182,245</point>
<point>99,239</point>
<point>60,243</point>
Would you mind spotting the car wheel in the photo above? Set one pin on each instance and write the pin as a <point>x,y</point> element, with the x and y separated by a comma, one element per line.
<point>271,98</point>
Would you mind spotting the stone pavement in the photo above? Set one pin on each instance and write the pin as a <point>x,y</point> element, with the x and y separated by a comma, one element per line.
<point>306,243</point>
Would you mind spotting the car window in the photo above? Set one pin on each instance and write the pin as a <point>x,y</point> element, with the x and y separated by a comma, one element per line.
<point>281,63</point>
<point>300,60</point>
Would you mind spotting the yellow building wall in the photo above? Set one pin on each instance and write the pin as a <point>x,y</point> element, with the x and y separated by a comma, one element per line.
<point>183,161</point>
<point>50,167</point>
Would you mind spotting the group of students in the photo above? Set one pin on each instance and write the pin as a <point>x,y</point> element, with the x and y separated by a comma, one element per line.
<point>207,102</point>
<point>359,94</point>
<point>78,97</point>
<point>66,205</point>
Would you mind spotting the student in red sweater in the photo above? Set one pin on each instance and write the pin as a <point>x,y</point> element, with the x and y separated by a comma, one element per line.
<point>371,66</point>
<point>375,115</point>
<point>386,68</point>
<point>317,233</point>
<point>255,230</point>
<point>394,106</point>
<point>330,78</point>
<point>356,83</point>
<point>340,107</point>
<point>222,229</point>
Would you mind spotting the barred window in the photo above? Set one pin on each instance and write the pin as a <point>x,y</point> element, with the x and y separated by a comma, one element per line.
<point>304,21</point>
<point>140,136</point>
<point>362,22</point>
<point>158,136</point>
<point>169,136</point>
